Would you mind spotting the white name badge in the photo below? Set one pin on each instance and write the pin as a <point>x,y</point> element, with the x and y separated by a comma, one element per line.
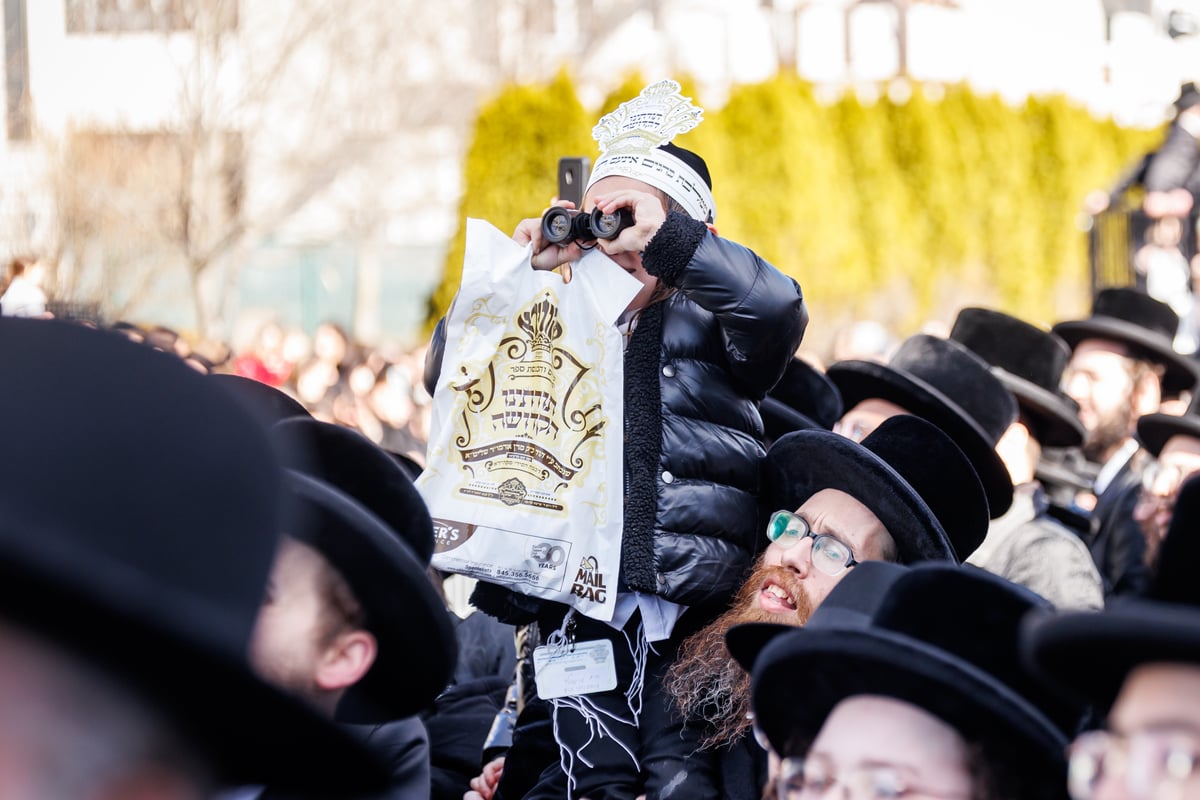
<point>564,671</point>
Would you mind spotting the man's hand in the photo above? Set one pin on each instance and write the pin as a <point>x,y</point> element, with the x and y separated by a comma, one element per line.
<point>545,255</point>
<point>648,217</point>
<point>483,786</point>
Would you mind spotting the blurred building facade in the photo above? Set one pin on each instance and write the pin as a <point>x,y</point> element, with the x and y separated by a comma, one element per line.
<point>300,159</point>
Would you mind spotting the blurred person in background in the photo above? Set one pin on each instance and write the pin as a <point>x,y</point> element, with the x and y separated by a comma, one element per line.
<point>1171,178</point>
<point>23,295</point>
<point>1138,664</point>
<point>266,361</point>
<point>168,340</point>
<point>392,403</point>
<point>1174,442</point>
<point>1027,545</point>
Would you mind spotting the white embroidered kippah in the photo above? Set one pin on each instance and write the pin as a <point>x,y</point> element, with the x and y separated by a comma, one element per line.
<point>629,139</point>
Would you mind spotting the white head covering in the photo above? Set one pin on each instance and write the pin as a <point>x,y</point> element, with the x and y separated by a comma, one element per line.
<point>629,139</point>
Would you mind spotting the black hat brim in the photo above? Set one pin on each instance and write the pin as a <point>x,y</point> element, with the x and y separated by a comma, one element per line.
<point>801,465</point>
<point>121,626</point>
<point>268,404</point>
<point>1181,373</point>
<point>1155,430</point>
<point>799,678</point>
<point>417,649</point>
<point>1058,424</point>
<point>862,380</point>
<point>780,419</point>
<point>1088,655</point>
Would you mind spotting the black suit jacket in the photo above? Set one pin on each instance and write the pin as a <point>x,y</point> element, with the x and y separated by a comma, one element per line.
<point>1117,543</point>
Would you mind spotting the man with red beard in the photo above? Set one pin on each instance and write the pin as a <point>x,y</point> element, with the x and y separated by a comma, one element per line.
<point>905,494</point>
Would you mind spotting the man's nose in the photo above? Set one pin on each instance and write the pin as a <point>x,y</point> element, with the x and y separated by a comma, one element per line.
<point>798,558</point>
<point>1077,388</point>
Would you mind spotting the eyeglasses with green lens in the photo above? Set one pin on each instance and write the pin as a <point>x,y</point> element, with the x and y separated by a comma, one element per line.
<point>830,555</point>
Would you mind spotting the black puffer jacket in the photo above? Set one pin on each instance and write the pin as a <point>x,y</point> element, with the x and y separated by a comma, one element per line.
<point>696,367</point>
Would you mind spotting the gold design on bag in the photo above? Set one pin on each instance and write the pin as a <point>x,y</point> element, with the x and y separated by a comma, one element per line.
<point>529,424</point>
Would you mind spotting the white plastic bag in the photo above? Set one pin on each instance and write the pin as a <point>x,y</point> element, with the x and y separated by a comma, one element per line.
<point>524,474</point>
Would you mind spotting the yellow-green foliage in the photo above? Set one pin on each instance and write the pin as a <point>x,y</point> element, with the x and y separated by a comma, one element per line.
<point>512,165</point>
<point>901,210</point>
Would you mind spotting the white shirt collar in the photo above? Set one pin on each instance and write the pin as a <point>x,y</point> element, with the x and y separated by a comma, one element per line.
<point>1114,465</point>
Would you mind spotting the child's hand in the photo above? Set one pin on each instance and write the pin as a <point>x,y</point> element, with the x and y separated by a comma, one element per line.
<point>648,217</point>
<point>484,785</point>
<point>547,256</point>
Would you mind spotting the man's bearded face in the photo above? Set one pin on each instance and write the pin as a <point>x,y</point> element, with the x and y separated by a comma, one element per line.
<point>1100,378</point>
<point>706,684</point>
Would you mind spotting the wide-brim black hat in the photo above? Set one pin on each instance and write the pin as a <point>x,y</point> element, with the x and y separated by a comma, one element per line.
<point>916,379</point>
<point>1088,655</point>
<point>1055,417</point>
<point>780,419</point>
<point>1155,430</point>
<point>892,644</point>
<point>139,518</point>
<point>1066,468</point>
<point>417,649</point>
<point>269,404</point>
<point>1142,324</point>
<point>356,466</point>
<point>877,473</point>
<point>1029,362</point>
<point>804,399</point>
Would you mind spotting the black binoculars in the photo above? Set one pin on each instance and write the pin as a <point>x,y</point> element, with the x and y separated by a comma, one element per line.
<point>562,225</point>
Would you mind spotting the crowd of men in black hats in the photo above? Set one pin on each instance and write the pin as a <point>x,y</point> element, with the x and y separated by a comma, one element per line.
<point>961,572</point>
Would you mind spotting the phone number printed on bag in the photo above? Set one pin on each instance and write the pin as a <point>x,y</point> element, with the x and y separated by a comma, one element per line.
<point>542,566</point>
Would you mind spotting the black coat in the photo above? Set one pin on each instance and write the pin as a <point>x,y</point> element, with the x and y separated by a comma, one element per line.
<point>403,746</point>
<point>696,367</point>
<point>1117,543</point>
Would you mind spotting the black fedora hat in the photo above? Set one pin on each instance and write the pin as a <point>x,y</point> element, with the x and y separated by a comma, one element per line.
<point>366,518</point>
<point>1155,430</point>
<point>804,399</point>
<point>945,383</point>
<point>1030,363</point>
<point>939,636</point>
<point>269,404</point>
<point>353,464</point>
<point>1142,324</point>
<point>907,472</point>
<point>139,517</point>
<point>1088,655</point>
